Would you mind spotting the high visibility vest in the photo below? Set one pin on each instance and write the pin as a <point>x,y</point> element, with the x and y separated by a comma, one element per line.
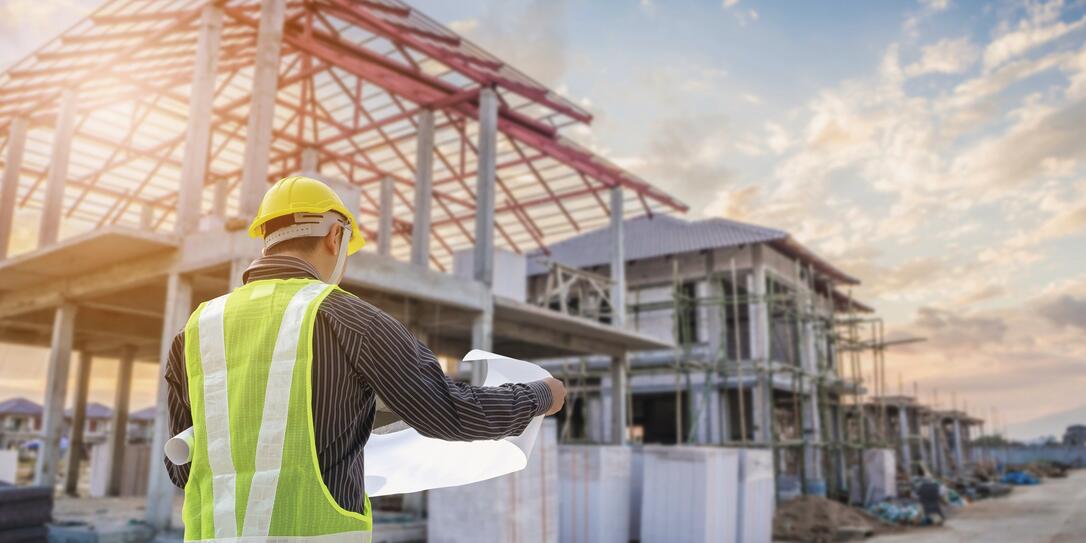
<point>254,474</point>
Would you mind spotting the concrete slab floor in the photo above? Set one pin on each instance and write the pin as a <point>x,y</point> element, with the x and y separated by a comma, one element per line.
<point>1052,512</point>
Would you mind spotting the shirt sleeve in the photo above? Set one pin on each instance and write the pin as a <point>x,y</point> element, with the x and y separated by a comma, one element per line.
<point>178,404</point>
<point>407,376</point>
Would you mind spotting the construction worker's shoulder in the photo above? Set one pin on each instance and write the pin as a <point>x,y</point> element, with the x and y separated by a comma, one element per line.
<point>348,310</point>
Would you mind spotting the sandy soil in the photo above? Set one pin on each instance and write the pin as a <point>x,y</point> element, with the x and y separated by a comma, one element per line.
<point>1053,512</point>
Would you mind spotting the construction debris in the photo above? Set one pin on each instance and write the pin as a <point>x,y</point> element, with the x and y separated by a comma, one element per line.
<point>811,519</point>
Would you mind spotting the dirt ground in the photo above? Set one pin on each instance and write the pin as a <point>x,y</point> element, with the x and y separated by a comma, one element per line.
<point>1053,512</point>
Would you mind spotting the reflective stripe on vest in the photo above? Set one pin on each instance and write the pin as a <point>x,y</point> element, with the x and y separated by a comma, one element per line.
<point>230,358</point>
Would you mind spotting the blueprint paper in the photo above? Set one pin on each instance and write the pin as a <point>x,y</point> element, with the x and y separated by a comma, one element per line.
<point>405,461</point>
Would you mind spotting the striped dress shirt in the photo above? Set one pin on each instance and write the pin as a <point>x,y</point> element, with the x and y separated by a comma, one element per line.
<point>359,354</point>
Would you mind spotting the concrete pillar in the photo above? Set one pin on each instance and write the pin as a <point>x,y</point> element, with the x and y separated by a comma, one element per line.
<point>79,423</point>
<point>922,445</point>
<point>9,185</point>
<point>762,394</point>
<point>936,462</point>
<point>49,230</point>
<point>484,186</point>
<point>310,163</point>
<point>160,491</point>
<point>906,438</point>
<point>56,388</point>
<point>620,385</point>
<point>812,413</point>
<point>959,450</point>
<point>384,225</point>
<point>147,216</point>
<point>258,135</point>
<point>482,337</point>
<point>424,181</point>
<point>198,133</point>
<point>118,437</point>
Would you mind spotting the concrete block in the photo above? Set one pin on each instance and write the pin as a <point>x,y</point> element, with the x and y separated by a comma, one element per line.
<point>510,272</point>
<point>594,496</point>
<point>9,466</point>
<point>756,496</point>
<point>690,494</point>
<point>521,507</point>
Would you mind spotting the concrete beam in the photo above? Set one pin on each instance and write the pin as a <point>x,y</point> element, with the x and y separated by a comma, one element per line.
<point>258,137</point>
<point>118,436</point>
<point>160,491</point>
<point>79,423</point>
<point>52,208</point>
<point>384,226</point>
<point>484,187</point>
<point>198,135</point>
<point>9,185</point>
<point>56,389</point>
<point>424,183</point>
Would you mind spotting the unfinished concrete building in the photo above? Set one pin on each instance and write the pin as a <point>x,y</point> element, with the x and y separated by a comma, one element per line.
<point>137,145</point>
<point>757,358</point>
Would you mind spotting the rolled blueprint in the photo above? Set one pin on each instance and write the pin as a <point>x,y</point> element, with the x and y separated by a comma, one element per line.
<point>179,448</point>
<point>405,461</point>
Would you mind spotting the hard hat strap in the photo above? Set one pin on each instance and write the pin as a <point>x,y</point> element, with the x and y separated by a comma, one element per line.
<point>306,225</point>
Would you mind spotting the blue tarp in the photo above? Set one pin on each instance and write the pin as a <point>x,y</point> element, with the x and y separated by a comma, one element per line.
<point>1019,478</point>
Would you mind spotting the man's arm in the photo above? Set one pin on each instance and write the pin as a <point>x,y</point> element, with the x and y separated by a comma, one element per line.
<point>406,375</point>
<point>178,402</point>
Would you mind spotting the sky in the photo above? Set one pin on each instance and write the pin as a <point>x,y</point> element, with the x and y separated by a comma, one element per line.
<point>934,149</point>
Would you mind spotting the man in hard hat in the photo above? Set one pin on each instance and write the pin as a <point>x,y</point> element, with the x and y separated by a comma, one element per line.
<point>279,380</point>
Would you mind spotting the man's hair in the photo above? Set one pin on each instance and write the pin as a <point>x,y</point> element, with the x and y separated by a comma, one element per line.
<point>304,245</point>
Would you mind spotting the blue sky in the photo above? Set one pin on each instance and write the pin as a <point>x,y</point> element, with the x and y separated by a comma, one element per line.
<point>932,148</point>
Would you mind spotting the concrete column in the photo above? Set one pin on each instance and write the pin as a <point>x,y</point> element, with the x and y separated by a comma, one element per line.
<point>936,463</point>
<point>762,394</point>
<point>56,388</point>
<point>619,388</point>
<point>384,225</point>
<point>906,438</point>
<point>258,135</point>
<point>310,163</point>
<point>484,186</point>
<point>424,181</point>
<point>922,445</point>
<point>79,423</point>
<point>49,230</point>
<point>160,491</point>
<point>618,259</point>
<point>482,337</point>
<point>198,133</point>
<point>118,437</point>
<point>959,451</point>
<point>237,271</point>
<point>9,186</point>
<point>812,413</point>
<point>147,216</point>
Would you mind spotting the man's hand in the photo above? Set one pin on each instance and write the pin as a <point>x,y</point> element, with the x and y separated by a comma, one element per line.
<point>558,394</point>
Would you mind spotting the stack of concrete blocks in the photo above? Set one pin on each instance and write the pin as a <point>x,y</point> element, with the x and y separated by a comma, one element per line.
<point>137,457</point>
<point>520,507</point>
<point>880,477</point>
<point>594,493</point>
<point>9,466</point>
<point>756,497</point>
<point>690,494</point>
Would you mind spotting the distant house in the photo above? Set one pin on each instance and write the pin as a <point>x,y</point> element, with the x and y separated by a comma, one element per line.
<point>141,424</point>
<point>96,423</point>
<point>20,422</point>
<point>1075,436</point>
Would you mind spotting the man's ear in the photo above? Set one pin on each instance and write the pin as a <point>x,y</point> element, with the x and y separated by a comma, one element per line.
<point>331,241</point>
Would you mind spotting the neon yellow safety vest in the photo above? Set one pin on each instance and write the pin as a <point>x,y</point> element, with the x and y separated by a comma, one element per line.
<point>254,474</point>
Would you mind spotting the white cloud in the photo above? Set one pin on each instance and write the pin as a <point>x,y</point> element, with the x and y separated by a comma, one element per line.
<point>935,5</point>
<point>947,56</point>
<point>1040,27</point>
<point>728,4</point>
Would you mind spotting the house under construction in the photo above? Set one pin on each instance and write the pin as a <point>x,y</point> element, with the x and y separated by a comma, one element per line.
<point>767,348</point>
<point>138,143</point>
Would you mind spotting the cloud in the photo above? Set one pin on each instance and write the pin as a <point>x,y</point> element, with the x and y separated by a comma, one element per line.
<point>947,56</point>
<point>728,4</point>
<point>935,5</point>
<point>1040,27</point>
<point>531,36</point>
<point>689,148</point>
<point>1065,310</point>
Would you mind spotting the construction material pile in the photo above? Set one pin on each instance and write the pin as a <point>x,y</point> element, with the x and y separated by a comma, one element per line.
<point>24,512</point>
<point>811,519</point>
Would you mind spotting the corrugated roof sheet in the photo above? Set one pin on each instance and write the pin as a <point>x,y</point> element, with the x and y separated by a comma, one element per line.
<point>658,235</point>
<point>19,406</point>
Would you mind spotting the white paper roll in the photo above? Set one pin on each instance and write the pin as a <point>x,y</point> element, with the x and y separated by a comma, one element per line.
<point>179,448</point>
<point>405,461</point>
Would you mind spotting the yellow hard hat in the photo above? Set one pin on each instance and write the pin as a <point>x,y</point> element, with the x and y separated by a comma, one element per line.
<point>300,194</point>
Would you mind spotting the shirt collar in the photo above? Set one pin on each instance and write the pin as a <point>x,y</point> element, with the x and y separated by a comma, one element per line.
<point>279,267</point>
